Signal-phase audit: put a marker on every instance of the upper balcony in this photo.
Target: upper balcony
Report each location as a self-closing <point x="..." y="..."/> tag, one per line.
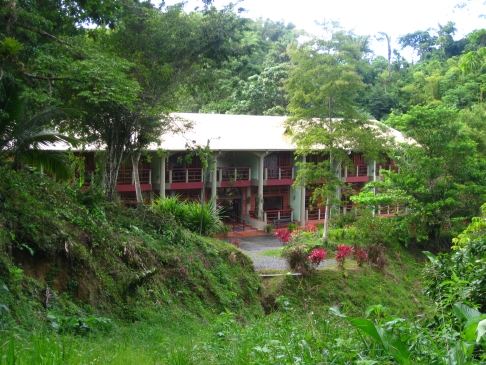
<point x="358" y="173"/>
<point x="279" y="175"/>
<point x="184" y="178"/>
<point x="126" y="179"/>
<point x="238" y="176"/>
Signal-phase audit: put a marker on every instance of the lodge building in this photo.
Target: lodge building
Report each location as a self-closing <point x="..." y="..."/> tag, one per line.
<point x="253" y="171"/>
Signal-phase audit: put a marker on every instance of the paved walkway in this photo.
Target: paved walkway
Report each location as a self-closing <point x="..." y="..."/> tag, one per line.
<point x="253" y="246"/>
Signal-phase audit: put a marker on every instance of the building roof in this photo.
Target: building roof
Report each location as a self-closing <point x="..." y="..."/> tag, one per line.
<point x="227" y="132"/>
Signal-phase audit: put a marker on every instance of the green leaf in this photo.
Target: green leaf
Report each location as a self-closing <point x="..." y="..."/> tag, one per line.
<point x="432" y="258"/>
<point x="367" y="327"/>
<point x="463" y="311"/>
<point x="395" y="346"/>
<point x="481" y="330"/>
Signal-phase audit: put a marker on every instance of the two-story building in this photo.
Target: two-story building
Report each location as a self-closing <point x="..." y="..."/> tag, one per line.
<point x="252" y="172"/>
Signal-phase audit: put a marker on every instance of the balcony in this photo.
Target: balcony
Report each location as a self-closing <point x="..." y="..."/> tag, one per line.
<point x="126" y="180"/>
<point x="126" y="177"/>
<point x="315" y="214"/>
<point x="184" y="178"/>
<point x="279" y="175"/>
<point x="358" y="173"/>
<point x="233" y="176"/>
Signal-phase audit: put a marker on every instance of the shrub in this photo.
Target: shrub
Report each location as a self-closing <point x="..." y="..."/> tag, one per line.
<point x="312" y="228"/>
<point x="297" y="257"/>
<point x="343" y="251"/>
<point x="344" y="220"/>
<point x="376" y="255"/>
<point x="291" y="227"/>
<point x="191" y="215"/>
<point x="361" y="256"/>
<point x="376" y="229"/>
<point x="317" y="256"/>
<point x="283" y="235"/>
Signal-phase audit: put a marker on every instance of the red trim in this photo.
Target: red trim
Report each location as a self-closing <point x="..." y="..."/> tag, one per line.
<point x="236" y="184"/>
<point x="278" y="182"/>
<point x="129" y="188"/>
<point x="357" y="179"/>
<point x="184" y="185"/>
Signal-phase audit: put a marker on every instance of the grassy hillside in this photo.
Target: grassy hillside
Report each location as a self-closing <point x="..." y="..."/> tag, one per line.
<point x="83" y="281"/>
<point x="67" y="253"/>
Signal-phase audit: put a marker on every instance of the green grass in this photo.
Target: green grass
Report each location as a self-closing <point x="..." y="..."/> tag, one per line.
<point x="298" y="327"/>
<point x="273" y="253"/>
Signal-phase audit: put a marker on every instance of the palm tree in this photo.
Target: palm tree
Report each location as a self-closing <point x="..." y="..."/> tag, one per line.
<point x="25" y="138"/>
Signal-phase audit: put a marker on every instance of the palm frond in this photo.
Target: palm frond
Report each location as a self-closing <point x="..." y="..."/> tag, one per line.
<point x="53" y="163"/>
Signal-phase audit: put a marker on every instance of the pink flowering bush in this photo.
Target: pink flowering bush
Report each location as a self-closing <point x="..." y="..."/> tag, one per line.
<point x="312" y="228"/>
<point x="343" y="251"/>
<point x="283" y="235"/>
<point x="317" y="256"/>
<point x="361" y="256"/>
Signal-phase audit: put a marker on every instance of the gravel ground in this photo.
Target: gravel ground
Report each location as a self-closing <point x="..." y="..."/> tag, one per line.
<point x="254" y="246"/>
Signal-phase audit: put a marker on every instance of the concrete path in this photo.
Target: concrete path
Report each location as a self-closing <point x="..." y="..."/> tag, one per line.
<point x="253" y="246"/>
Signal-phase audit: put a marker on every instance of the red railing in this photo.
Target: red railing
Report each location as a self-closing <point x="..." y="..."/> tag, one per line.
<point x="233" y="173"/>
<point x="180" y="175"/>
<point x="279" y="172"/>
<point x="315" y="214"/>
<point x="358" y="170"/>
<point x="278" y="214"/>
<point x="125" y="176"/>
<point x="361" y="170"/>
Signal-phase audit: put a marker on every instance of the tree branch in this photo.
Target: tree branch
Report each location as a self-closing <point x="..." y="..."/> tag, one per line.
<point x="41" y="32"/>
<point x="49" y="78"/>
<point x="48" y="35"/>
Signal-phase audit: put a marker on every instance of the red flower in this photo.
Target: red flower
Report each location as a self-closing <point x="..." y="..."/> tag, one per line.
<point x="283" y="235"/>
<point x="343" y="251"/>
<point x="317" y="256"/>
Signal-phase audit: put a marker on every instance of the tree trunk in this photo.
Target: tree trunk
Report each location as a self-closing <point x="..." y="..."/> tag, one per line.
<point x="114" y="158"/>
<point x="136" y="175"/>
<point x="327" y="214"/>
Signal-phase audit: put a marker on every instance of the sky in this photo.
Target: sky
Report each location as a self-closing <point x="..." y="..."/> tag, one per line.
<point x="366" y="17"/>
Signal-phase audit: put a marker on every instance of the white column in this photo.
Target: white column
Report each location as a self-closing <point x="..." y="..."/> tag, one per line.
<point x="248" y="200"/>
<point x="302" y="202"/>
<point x="214" y="178"/>
<point x="260" y="186"/>
<point x="162" y="176"/>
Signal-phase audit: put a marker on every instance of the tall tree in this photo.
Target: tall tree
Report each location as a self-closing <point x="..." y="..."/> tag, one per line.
<point x="441" y="178"/>
<point x="322" y="86"/>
